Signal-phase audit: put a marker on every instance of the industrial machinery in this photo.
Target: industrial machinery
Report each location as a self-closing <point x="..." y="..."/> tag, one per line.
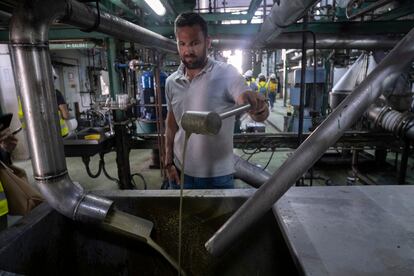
<point x="344" y="121"/>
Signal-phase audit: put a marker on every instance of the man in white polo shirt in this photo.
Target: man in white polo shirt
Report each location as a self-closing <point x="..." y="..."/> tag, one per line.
<point x="203" y="84"/>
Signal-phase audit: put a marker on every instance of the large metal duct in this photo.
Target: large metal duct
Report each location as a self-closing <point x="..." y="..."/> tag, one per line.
<point x="362" y="67"/>
<point x="356" y="104"/>
<point x="249" y="173"/>
<point x="29" y="29"/>
<point x="399" y="123"/>
<point x="282" y="14"/>
<point x="323" y="41"/>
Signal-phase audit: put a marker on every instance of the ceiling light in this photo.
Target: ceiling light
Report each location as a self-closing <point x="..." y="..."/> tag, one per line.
<point x="156" y="6"/>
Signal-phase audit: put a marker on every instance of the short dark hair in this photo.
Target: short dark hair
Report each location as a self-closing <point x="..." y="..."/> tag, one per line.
<point x="190" y="19"/>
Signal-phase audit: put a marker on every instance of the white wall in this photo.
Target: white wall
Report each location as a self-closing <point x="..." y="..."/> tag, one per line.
<point x="73" y="79"/>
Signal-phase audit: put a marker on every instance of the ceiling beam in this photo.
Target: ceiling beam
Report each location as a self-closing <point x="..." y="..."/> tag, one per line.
<point x="254" y="5"/>
<point x="223" y="16"/>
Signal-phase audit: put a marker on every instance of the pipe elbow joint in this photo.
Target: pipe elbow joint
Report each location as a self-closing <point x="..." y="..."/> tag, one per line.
<point x="70" y="199"/>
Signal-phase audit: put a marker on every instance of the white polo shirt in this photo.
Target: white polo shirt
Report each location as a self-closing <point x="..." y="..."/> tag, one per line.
<point x="215" y="88"/>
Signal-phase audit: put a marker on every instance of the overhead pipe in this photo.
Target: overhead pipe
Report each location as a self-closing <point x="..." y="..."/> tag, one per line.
<point x="323" y="41"/>
<point x="282" y="14"/>
<point x="84" y="17"/>
<point x="249" y="173"/>
<point x="331" y="129"/>
<point x="29" y="44"/>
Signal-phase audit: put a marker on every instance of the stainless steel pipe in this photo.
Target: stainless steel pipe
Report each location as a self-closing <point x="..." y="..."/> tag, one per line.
<point x="33" y="73"/>
<point x="83" y="16"/>
<point x="282" y="14"/>
<point x="356" y="104"/>
<point x="249" y="173"/>
<point x="29" y="28"/>
<point x="323" y="41"/>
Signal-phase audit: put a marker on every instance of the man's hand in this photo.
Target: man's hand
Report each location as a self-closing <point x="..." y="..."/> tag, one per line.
<point x="260" y="110"/>
<point x="8" y="141"/>
<point x="172" y="174"/>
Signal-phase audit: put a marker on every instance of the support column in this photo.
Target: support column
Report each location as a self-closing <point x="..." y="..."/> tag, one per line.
<point x="285" y="77"/>
<point x="114" y="87"/>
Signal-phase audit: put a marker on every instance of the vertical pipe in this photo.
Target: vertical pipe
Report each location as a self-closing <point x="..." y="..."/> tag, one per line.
<point x="158" y="109"/>
<point x="404" y="162"/>
<point x="122" y="154"/>
<point x="302" y="83"/>
<point x="29" y="28"/>
<point x="114" y="87"/>
<point x="285" y="78"/>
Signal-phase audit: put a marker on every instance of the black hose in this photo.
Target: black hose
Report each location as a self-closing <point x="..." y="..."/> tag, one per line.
<point x="142" y="178"/>
<point x="102" y="161"/>
<point x="86" y="160"/>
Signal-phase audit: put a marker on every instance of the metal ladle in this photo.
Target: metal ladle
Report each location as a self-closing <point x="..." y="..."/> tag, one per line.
<point x="208" y="122"/>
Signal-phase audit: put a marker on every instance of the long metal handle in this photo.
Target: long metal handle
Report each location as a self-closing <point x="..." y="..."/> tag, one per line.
<point x="235" y="111"/>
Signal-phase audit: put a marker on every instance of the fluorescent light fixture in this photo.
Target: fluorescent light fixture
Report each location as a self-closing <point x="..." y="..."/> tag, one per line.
<point x="156" y="6"/>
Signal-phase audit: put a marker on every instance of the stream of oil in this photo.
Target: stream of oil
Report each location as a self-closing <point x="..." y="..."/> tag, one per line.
<point x="180" y="211"/>
<point x="139" y="229"/>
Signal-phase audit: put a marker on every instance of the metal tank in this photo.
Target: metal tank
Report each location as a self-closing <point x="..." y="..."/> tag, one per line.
<point x="47" y="243"/>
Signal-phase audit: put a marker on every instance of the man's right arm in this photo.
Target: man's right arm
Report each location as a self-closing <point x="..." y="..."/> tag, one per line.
<point x="170" y="131"/>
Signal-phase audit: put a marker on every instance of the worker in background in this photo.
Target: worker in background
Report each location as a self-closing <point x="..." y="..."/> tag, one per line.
<point x="62" y="110"/>
<point x="262" y="85"/>
<point x="250" y="81"/>
<point x="62" y="106"/>
<point x="8" y="143"/>
<point x="203" y="84"/>
<point x="272" y="89"/>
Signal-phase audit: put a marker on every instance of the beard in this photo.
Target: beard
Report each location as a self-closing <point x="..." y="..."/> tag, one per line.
<point x="195" y="63"/>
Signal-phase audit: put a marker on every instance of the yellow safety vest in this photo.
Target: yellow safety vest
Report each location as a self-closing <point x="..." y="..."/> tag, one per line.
<point x="272" y="87"/>
<point x="64" y="130"/>
<point x="262" y="88"/>
<point x="4" y="207"/>
<point x="20" y="113"/>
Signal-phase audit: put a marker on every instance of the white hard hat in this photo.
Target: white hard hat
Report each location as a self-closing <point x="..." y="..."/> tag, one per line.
<point x="273" y="76"/>
<point x="261" y="75"/>
<point x="248" y="74"/>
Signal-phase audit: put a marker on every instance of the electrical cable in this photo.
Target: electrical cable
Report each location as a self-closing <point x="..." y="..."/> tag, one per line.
<point x="101" y="155"/>
<point x="142" y="178"/>
<point x="270" y="159"/>
<point x="86" y="160"/>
